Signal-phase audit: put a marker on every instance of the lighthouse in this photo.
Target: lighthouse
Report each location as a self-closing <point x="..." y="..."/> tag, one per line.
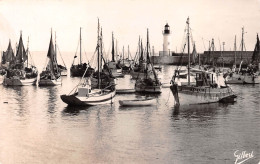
<point x="166" y="43"/>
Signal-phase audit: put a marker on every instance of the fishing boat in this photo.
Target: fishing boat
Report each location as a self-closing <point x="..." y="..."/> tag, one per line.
<point x="139" y="69"/>
<point x="209" y="87"/>
<point x="95" y="90"/>
<point x="138" y="102"/>
<point x="250" y="75"/>
<point x="6" y="60"/>
<point x="150" y="84"/>
<point x="77" y="70"/>
<point x="112" y="65"/>
<point x="51" y="75"/>
<point x="19" y="71"/>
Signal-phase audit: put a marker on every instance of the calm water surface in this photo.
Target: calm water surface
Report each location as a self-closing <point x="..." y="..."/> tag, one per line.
<point x="37" y="127"/>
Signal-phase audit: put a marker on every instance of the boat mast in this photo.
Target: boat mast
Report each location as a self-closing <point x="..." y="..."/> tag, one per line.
<point x="242" y="43"/>
<point x="98" y="56"/>
<point x="113" y="49"/>
<point x="235" y="49"/>
<point x="128" y="52"/>
<point x="188" y="37"/>
<point x="147" y="48"/>
<point x="80" y="45"/>
<point x="27" y="52"/>
<point x="123" y="55"/>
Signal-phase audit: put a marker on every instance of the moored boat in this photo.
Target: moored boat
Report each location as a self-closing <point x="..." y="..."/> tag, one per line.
<point x="250" y="75"/>
<point x="19" y="71"/>
<point x="51" y="75"/>
<point x="138" y="102"/>
<point x="209" y="87"/>
<point x="112" y="66"/>
<point x="149" y="84"/>
<point x="77" y="70"/>
<point x="96" y="90"/>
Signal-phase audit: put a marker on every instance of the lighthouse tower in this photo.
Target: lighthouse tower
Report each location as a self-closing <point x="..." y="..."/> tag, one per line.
<point x="166" y="43"/>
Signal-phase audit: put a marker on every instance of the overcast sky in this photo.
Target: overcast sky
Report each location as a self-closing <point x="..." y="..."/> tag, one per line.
<point x="218" y="19"/>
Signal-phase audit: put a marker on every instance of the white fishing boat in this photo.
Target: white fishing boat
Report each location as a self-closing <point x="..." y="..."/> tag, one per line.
<point x="19" y="71"/>
<point x="209" y="87"/>
<point x="149" y="84"/>
<point x="86" y="93"/>
<point x="51" y="75"/>
<point x="138" y="102"/>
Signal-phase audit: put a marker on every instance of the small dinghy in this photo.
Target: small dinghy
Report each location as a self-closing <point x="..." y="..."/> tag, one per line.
<point x="138" y="102"/>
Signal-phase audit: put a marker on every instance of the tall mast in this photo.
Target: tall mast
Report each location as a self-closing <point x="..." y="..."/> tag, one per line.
<point x="98" y="48"/>
<point x="123" y="55"/>
<point x="116" y="51"/>
<point x="242" y="43"/>
<point x="113" y="49"/>
<point x="128" y="52"/>
<point x="235" y="49"/>
<point x="101" y="48"/>
<point x="80" y="45"/>
<point x="188" y="37"/>
<point x="55" y="48"/>
<point x="28" y="52"/>
<point x="147" y="51"/>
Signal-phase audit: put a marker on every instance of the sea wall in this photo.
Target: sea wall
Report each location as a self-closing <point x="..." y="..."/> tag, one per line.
<point x="219" y="58"/>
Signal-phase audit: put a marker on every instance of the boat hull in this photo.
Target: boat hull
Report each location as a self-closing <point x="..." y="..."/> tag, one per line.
<point x="63" y="73"/>
<point x="188" y="95"/>
<point x="19" y="82"/>
<point x="78" y="71"/>
<point x="1" y="79"/>
<point x="147" y="102"/>
<point x="49" y="82"/>
<point x="139" y="75"/>
<point x="242" y="79"/>
<point x="148" y="89"/>
<point x="125" y="91"/>
<point x="74" y="100"/>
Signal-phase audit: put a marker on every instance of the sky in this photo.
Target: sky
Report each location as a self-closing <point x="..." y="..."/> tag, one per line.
<point x="128" y="19"/>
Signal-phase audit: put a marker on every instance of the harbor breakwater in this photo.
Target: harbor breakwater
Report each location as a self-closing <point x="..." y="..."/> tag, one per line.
<point x="226" y="58"/>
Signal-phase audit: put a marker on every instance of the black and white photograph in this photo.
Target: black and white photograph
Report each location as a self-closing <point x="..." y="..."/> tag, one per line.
<point x="130" y="81"/>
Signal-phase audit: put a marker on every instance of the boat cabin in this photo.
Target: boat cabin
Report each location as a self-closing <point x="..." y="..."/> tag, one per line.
<point x="204" y="79"/>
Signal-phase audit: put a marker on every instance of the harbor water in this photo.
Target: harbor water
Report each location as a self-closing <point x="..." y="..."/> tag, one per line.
<point x="37" y="127"/>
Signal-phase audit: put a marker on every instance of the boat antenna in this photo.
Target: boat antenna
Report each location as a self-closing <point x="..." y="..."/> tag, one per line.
<point x="188" y="38"/>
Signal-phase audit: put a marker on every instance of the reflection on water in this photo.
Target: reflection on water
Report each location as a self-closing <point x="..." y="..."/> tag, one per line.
<point x="37" y="126"/>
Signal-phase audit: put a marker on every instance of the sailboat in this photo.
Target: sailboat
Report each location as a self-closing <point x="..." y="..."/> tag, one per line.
<point x="249" y="76"/>
<point x="51" y="74"/>
<point x="150" y="84"/>
<point x="209" y="87"/>
<point x="139" y="69"/>
<point x="77" y="70"/>
<point x="95" y="90"/>
<point x="6" y="60"/>
<point x="19" y="72"/>
<point x="113" y="66"/>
